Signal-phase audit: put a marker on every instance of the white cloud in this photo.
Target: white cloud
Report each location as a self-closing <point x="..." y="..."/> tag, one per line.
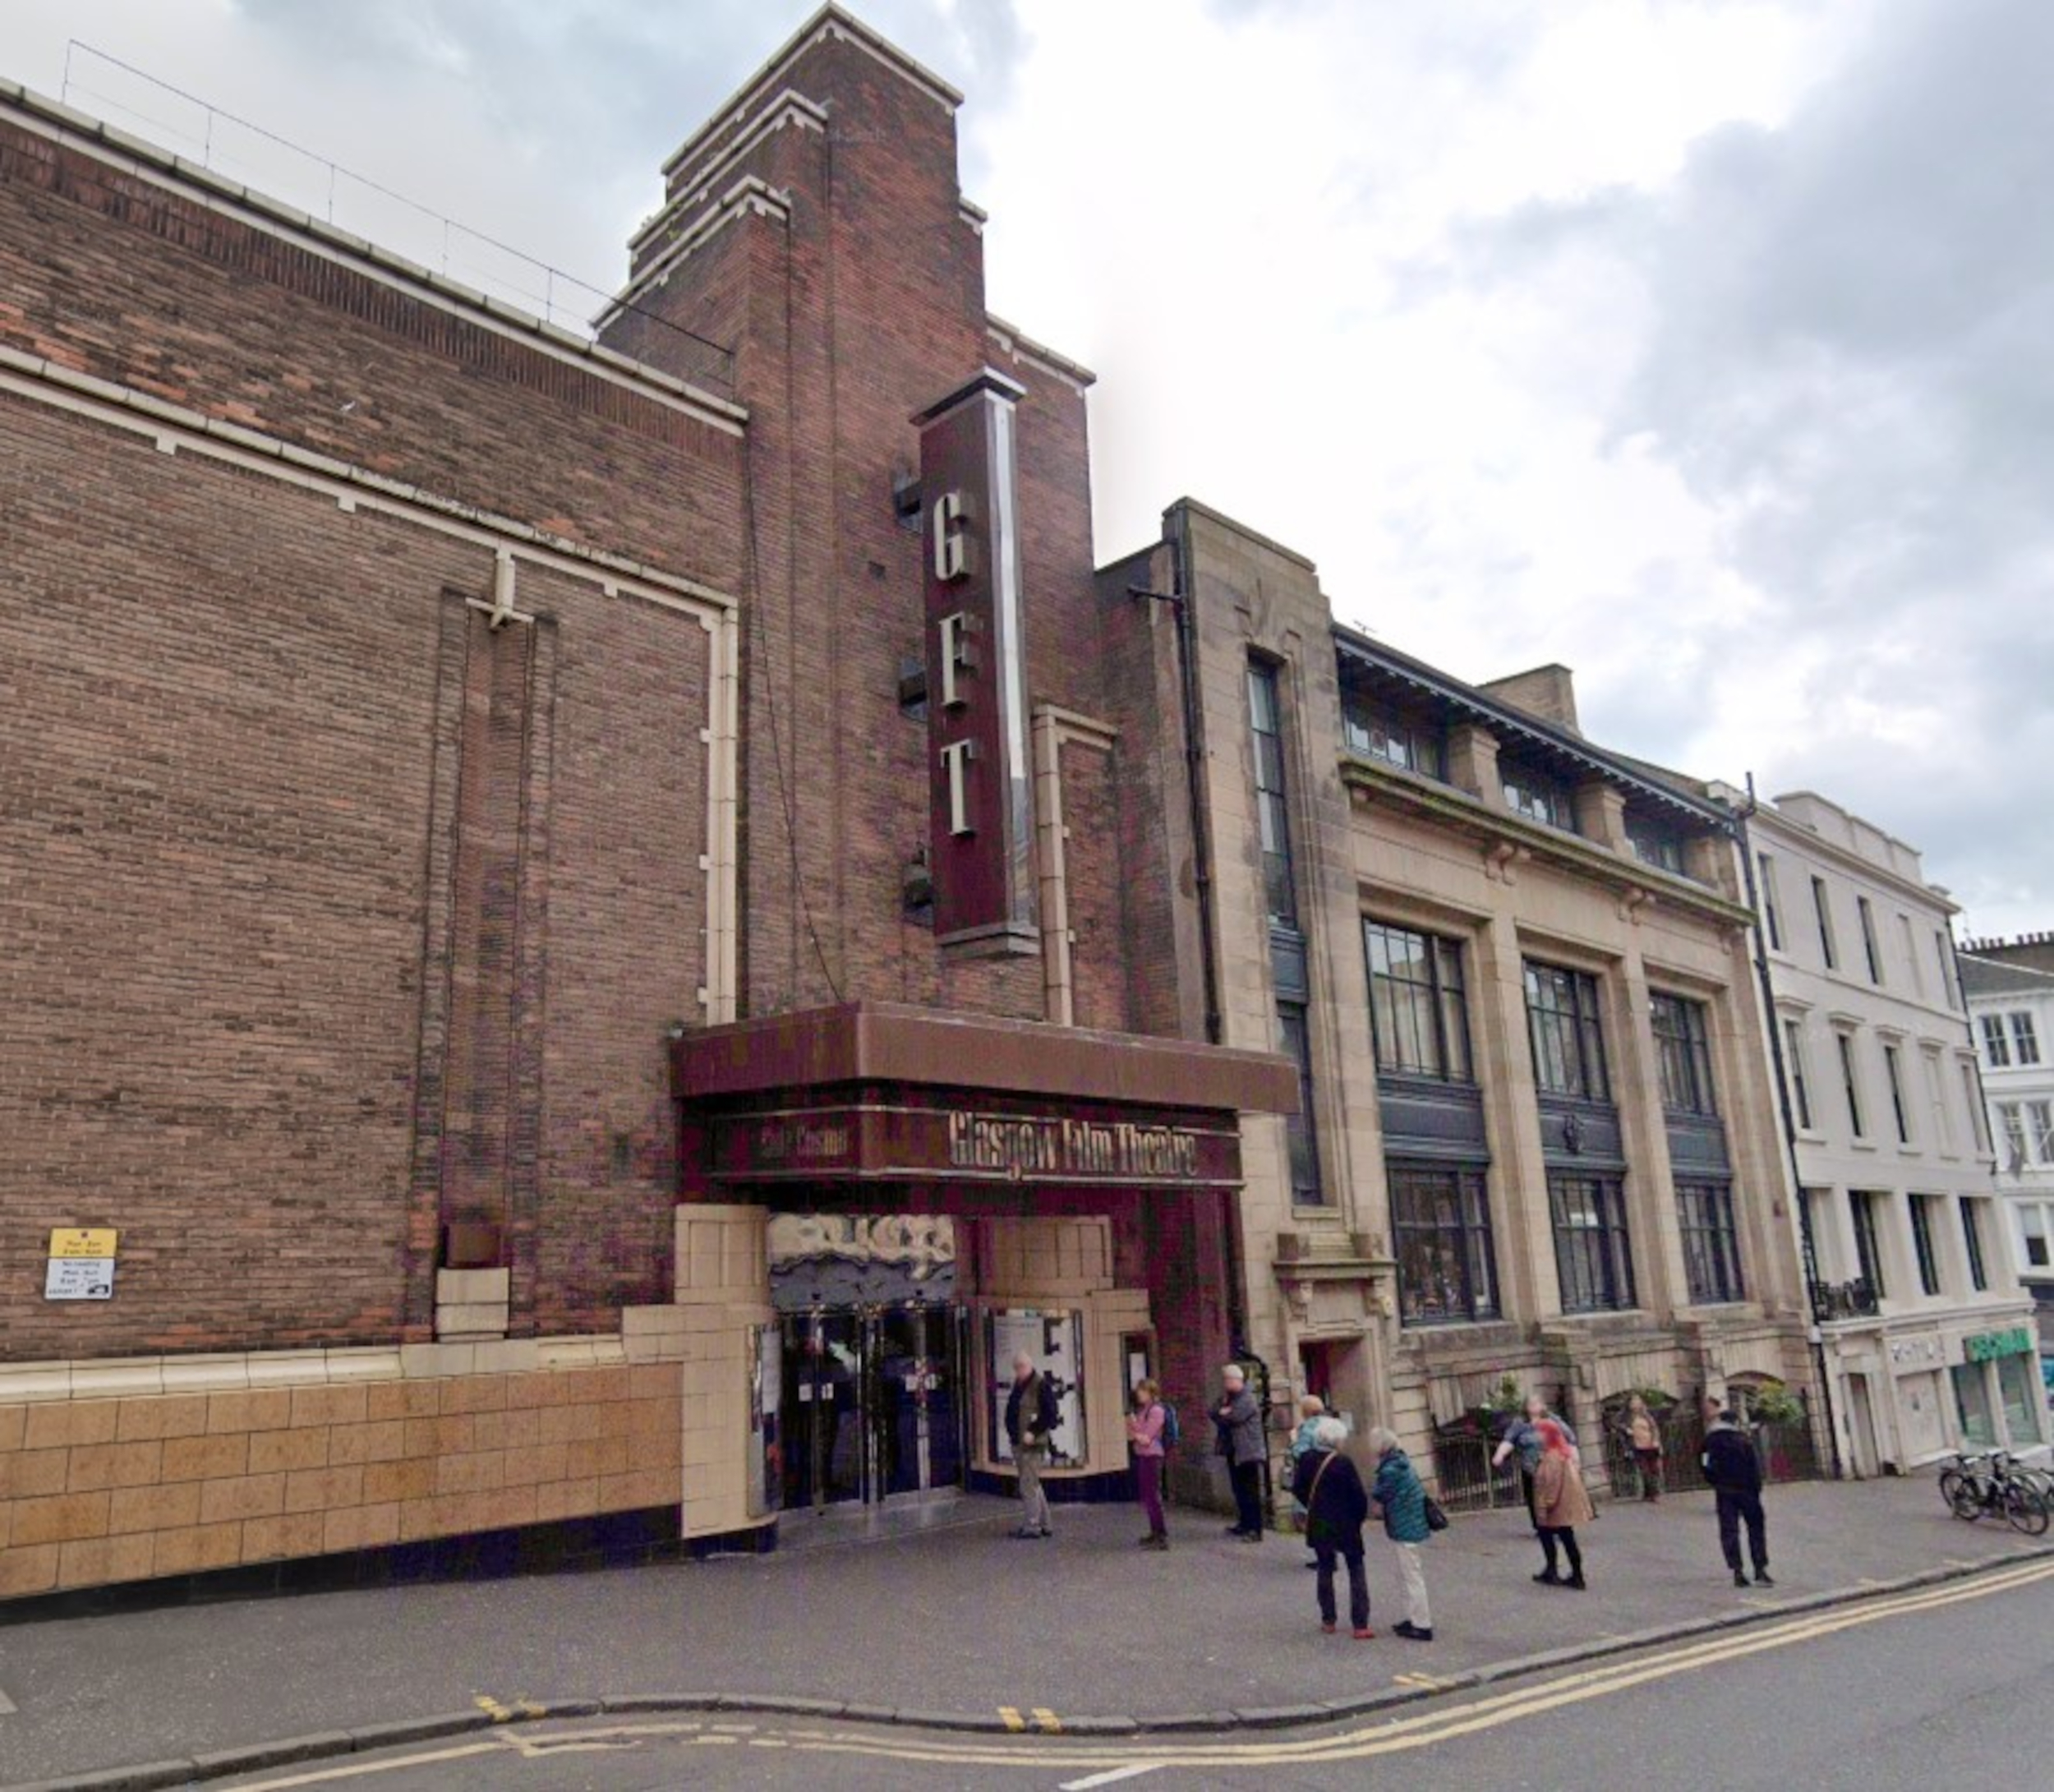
<point x="1698" y="344"/>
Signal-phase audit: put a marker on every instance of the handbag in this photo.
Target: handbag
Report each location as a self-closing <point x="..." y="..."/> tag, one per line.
<point x="1436" y="1519"/>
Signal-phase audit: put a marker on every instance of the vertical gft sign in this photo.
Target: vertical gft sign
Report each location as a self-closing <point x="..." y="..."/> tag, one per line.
<point x="982" y="824"/>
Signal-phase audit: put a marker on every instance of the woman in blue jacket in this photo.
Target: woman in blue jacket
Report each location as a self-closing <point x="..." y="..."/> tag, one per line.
<point x="1402" y="1499"/>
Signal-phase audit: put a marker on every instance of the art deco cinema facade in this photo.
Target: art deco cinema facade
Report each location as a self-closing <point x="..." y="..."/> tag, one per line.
<point x="611" y="929"/>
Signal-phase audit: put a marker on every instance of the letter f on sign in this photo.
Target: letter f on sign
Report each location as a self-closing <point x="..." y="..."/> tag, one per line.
<point x="956" y="758"/>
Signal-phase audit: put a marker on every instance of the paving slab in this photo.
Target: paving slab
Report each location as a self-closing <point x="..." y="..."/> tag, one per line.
<point x="956" y="1619"/>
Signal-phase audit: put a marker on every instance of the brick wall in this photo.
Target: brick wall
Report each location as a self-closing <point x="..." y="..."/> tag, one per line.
<point x="338" y="913"/>
<point x="857" y="303"/>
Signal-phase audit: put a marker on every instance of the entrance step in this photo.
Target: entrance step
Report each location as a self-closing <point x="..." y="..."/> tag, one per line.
<point x="889" y="1523"/>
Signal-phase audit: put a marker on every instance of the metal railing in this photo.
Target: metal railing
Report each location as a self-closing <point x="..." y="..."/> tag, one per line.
<point x="183" y="124"/>
<point x="1857" y="1299"/>
<point x="1788" y="1451"/>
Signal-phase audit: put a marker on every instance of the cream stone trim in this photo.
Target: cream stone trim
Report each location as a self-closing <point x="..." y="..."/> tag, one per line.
<point x="1507" y="841"/>
<point x="106" y="1378"/>
<point x="748" y="196"/>
<point x="145" y="161"/>
<point x="173" y="428"/>
<point x="1055" y="729"/>
<point x="1022" y="347"/>
<point x="723" y="817"/>
<point x="831" y="21"/>
<point x="790" y="107"/>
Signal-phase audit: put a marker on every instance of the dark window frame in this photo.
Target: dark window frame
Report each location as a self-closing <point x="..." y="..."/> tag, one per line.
<point x="1794" y="1063"/>
<point x="1894" y="1076"/>
<point x="1850" y="1085"/>
<point x="1924" y="1247"/>
<point x="1872" y="948"/>
<point x="1822" y="907"/>
<point x="1682" y="1053"/>
<point x="1301" y="1132"/>
<point x="1538" y="796"/>
<point x="1456" y="1231"/>
<point x="1971" y="1239"/>
<point x="1593" y="1242"/>
<point x="1868" y="1243"/>
<point x="1772" y="904"/>
<point x="1435" y="1012"/>
<point x="1712" y="1242"/>
<point x="1408" y="742"/>
<point x="1568" y="1034"/>
<point x="1273" y="792"/>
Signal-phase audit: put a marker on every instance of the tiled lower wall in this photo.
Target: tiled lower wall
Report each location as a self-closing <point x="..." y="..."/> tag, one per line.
<point x="98" y="1490"/>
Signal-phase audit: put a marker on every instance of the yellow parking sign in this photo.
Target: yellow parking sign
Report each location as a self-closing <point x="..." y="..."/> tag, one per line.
<point x="95" y="1242"/>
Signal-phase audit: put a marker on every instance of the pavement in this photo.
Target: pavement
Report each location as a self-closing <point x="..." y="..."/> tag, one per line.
<point x="949" y="1627"/>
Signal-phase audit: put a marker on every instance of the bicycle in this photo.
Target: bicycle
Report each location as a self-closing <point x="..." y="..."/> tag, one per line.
<point x="1991" y="1483"/>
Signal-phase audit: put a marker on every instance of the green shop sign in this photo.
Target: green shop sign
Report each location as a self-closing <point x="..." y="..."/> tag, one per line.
<point x="1986" y="1347"/>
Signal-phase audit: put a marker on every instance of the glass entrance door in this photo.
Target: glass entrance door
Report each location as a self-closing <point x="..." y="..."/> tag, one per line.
<point x="916" y="1400"/>
<point x="873" y="1404"/>
<point x="822" y="1418"/>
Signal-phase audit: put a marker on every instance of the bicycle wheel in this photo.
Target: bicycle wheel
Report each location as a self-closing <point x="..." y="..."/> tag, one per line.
<point x="2026" y="1510"/>
<point x="1959" y="1493"/>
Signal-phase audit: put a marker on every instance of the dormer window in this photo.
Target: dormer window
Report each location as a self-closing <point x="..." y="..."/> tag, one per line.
<point x="1655" y="846"/>
<point x="1377" y="731"/>
<point x="1539" y="798"/>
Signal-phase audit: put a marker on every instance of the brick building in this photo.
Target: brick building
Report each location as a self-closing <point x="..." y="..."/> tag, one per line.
<point x="597" y="921"/>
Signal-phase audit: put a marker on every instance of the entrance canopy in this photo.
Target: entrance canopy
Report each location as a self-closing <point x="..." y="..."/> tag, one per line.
<point x="886" y="1093"/>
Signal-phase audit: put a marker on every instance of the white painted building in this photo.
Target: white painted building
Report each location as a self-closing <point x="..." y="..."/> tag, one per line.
<point x="1923" y="1332"/>
<point x="2010" y="986"/>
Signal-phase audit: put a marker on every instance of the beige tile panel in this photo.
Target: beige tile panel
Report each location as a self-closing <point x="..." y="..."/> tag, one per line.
<point x="114" y="1465"/>
<point x="33" y="1474"/>
<point x="25" y="1570"/>
<point x="215" y="1474"/>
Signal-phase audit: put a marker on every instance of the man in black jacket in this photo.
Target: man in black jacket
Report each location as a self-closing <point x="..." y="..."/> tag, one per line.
<point x="1735" y="1472"/>
<point x="1030" y="1422"/>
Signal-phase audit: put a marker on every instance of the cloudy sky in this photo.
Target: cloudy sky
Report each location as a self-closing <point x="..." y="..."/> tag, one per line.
<point x="1706" y="346"/>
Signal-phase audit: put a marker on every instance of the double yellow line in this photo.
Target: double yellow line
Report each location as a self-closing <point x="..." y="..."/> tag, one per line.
<point x="1393" y="1737"/>
<point x="1423" y="1732"/>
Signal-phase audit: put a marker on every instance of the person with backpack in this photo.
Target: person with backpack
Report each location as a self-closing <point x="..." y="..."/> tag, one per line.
<point x="1031" y="1415"/>
<point x="1735" y="1470"/>
<point x="1397" y="1495"/>
<point x="1328" y="1485"/>
<point x="1151" y="1431"/>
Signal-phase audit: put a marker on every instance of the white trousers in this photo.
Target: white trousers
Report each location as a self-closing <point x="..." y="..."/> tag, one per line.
<point x="1411" y="1570"/>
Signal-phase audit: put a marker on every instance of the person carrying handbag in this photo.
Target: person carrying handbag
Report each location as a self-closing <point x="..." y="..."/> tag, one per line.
<point x="1398" y="1495"/>
<point x="1336" y="1503"/>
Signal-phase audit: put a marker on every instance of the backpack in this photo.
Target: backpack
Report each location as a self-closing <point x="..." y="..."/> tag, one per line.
<point x="1172" y="1432"/>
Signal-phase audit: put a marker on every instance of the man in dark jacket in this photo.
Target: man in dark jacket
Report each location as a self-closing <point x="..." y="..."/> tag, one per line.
<point x="1239" y="1418"/>
<point x="1030" y="1422"/>
<point x="1735" y="1472"/>
<point x="1327" y="1485"/>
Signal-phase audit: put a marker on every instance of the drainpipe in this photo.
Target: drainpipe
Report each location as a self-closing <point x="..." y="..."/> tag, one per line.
<point x="1809" y="1263"/>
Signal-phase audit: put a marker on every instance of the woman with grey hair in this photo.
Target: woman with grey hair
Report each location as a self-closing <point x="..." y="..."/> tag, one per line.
<point x="1327" y="1485"/>
<point x="1402" y="1499"/>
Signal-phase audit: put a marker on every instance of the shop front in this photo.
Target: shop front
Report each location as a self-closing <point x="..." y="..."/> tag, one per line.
<point x="882" y="1207"/>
